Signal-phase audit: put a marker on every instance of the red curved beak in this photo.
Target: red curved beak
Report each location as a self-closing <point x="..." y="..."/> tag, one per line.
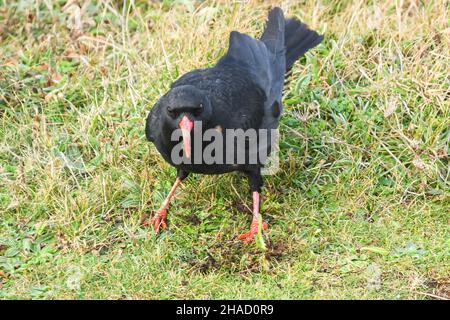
<point x="186" y="126"/>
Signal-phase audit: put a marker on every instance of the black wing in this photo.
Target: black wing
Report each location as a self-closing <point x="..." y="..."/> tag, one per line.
<point x="265" y="61"/>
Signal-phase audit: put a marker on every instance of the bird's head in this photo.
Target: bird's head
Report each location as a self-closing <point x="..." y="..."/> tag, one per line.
<point x="182" y="106"/>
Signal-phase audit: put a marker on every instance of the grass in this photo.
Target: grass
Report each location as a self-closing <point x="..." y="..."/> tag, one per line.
<point x="359" y="209"/>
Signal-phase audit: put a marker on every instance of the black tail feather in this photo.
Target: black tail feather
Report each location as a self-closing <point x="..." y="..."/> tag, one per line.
<point x="273" y="35"/>
<point x="298" y="39"/>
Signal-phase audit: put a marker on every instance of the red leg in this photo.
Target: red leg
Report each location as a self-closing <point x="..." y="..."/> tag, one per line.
<point x="250" y="235"/>
<point x="159" y="219"/>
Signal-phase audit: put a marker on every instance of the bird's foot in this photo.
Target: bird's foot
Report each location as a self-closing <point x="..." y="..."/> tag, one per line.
<point x="250" y="235"/>
<point x="158" y="221"/>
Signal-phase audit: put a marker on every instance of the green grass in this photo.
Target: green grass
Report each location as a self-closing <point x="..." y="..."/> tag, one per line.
<point x="359" y="209"/>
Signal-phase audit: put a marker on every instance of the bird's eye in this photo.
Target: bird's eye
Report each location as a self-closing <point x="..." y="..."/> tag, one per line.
<point x="198" y="110"/>
<point x="171" y="112"/>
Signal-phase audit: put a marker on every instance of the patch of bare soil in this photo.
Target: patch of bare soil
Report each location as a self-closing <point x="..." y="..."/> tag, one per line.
<point x="235" y="256"/>
<point x="440" y="289"/>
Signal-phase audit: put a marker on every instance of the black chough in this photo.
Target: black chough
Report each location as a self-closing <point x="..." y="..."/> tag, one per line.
<point x="242" y="91"/>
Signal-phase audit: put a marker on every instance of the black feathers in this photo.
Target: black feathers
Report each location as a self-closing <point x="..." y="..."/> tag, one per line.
<point x="273" y="35"/>
<point x="298" y="39"/>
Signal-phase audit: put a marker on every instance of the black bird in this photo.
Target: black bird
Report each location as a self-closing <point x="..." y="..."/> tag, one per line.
<point x="242" y="91"/>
